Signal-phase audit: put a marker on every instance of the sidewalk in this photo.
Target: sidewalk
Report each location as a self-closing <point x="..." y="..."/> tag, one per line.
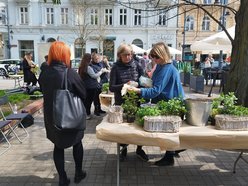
<point x="31" y="163"/>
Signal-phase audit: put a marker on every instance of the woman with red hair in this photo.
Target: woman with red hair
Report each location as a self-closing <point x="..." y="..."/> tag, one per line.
<point x="51" y="80"/>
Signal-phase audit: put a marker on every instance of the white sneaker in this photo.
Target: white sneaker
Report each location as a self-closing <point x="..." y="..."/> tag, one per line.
<point x="88" y="117"/>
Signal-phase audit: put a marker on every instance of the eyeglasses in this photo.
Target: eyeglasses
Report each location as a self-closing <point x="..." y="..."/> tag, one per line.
<point x="154" y="56"/>
<point x="126" y="54"/>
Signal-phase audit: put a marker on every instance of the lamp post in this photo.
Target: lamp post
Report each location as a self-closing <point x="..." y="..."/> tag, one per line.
<point x="184" y="35"/>
<point x="8" y="30"/>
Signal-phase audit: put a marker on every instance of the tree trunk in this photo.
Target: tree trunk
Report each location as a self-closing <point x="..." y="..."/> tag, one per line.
<point x="238" y="75"/>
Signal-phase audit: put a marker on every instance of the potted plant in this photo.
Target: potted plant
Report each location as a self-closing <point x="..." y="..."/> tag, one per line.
<point x="227" y="115"/>
<point x="146" y="111"/>
<point x="105" y="88"/>
<point x="185" y="74"/>
<point x="131" y="105"/>
<point x="175" y="107"/>
<point x="197" y="81"/>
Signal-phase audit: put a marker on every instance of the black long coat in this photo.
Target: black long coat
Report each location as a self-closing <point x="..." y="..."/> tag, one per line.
<point x="50" y="80"/>
<point x="29" y="76"/>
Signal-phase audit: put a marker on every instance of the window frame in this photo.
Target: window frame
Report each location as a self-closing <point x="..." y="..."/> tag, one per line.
<point x="49" y="16"/>
<point x="64" y="16"/>
<point x="94" y="16"/>
<point x="122" y="17"/>
<point x="108" y="16"/>
<point x="137" y="17"/>
<point x="206" y="23"/>
<point x="23" y="15"/>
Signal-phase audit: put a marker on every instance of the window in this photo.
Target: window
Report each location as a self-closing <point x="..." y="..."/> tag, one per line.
<point x="189" y="23"/>
<point x="224" y="2"/>
<point x="26" y="46"/>
<point x="138" y="43"/>
<point x="137" y="17"/>
<point x="2" y="16"/>
<point x="206" y="24"/>
<point x="162" y="18"/>
<point x="49" y="16"/>
<point x="64" y="16"/>
<point x="108" y="16"/>
<point x="207" y="1"/>
<point x="223" y="22"/>
<point x="123" y="17"/>
<point x="23" y="12"/>
<point x="94" y="16"/>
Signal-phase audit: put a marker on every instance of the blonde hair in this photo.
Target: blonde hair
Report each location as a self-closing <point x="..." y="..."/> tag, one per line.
<point x="162" y="51"/>
<point x="123" y="48"/>
<point x="59" y="51"/>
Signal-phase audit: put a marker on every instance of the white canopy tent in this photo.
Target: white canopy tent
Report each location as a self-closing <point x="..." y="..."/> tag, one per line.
<point x="172" y="51"/>
<point x="137" y="49"/>
<point x="215" y="43"/>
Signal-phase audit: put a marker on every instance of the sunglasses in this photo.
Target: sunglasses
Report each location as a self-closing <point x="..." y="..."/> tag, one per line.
<point x="154" y="56"/>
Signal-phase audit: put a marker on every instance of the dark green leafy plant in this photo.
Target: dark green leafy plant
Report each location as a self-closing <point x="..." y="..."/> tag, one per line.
<point x="105" y="87"/>
<point x="131" y="103"/>
<point x="146" y="111"/>
<point x="226" y="104"/>
<point x="172" y="107"/>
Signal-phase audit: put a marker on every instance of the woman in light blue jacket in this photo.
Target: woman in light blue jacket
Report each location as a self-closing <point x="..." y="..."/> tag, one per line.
<point x="166" y="85"/>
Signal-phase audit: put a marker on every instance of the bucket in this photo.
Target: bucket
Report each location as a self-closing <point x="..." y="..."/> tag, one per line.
<point x="198" y="111"/>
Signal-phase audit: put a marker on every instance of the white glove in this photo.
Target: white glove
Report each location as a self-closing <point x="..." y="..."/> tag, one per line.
<point x="104" y="70"/>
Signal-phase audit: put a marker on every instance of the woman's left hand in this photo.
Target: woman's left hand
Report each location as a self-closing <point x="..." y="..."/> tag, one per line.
<point x="137" y="90"/>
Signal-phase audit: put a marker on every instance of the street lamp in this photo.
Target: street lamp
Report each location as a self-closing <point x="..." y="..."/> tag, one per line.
<point x="185" y="28"/>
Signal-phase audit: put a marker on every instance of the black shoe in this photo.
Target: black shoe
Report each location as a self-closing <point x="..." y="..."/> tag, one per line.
<point x="65" y="182"/>
<point x="97" y="113"/>
<point x="177" y="153"/>
<point x="142" y="155"/>
<point x="79" y="176"/>
<point x="165" y="161"/>
<point x="123" y="154"/>
<point x="102" y="112"/>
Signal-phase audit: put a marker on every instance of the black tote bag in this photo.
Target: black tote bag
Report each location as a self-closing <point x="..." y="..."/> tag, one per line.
<point x="68" y="109"/>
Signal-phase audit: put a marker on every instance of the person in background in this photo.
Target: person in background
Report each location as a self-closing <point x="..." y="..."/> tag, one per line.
<point x="97" y="67"/>
<point x="91" y="80"/>
<point x="44" y="65"/>
<point x="197" y="63"/>
<point x="144" y="61"/>
<point x="51" y="80"/>
<point x="105" y="75"/>
<point x="28" y="65"/>
<point x="126" y="69"/>
<point x="151" y="66"/>
<point x="207" y="67"/>
<point x="166" y="86"/>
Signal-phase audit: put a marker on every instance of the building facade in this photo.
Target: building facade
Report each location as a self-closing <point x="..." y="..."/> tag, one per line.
<point x="197" y="25"/>
<point x="86" y="26"/>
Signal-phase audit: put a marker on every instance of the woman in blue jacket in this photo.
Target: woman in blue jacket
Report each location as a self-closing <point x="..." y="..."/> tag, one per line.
<point x="166" y="86"/>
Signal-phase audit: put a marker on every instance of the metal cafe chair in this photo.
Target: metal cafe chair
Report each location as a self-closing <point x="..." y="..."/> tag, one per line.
<point x="18" y="117"/>
<point x="4" y="131"/>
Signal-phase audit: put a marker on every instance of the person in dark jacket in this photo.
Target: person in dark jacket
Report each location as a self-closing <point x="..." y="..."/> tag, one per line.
<point x="50" y="80"/>
<point x="28" y="65"/>
<point x="91" y="80"/>
<point x="123" y="71"/>
<point x="98" y="66"/>
<point x="166" y="86"/>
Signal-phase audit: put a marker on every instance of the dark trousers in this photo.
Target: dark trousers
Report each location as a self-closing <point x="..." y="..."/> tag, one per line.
<point x="89" y="99"/>
<point x="97" y="100"/>
<point x="59" y="159"/>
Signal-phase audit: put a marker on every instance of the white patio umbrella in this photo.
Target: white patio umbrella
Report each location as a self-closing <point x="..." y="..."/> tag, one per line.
<point x="137" y="49"/>
<point x="172" y="51"/>
<point x="215" y="43"/>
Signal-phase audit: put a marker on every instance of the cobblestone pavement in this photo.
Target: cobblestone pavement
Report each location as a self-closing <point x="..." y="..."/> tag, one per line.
<point x="31" y="163"/>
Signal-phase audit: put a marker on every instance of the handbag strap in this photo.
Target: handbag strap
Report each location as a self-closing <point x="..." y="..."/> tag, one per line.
<point x="65" y="79"/>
